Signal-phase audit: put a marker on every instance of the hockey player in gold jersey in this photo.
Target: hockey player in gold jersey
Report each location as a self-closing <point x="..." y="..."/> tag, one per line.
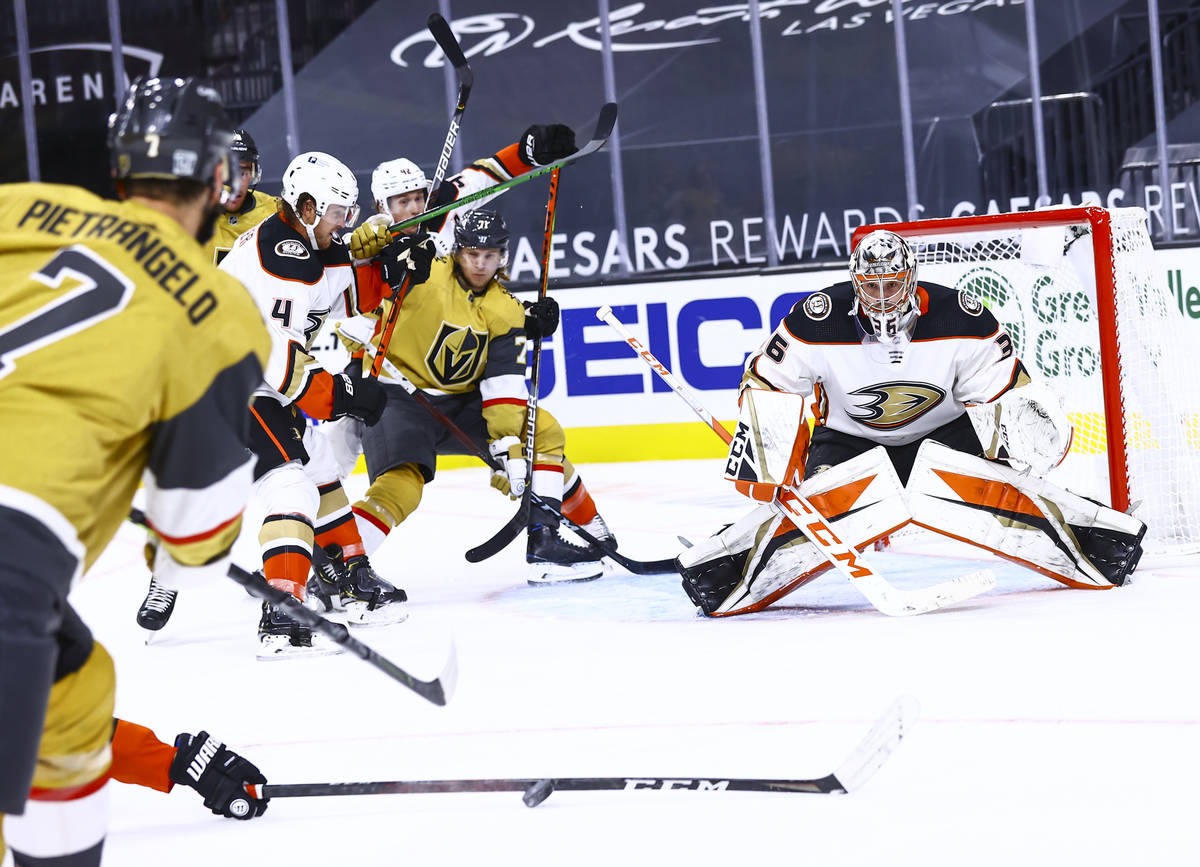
<point x="460" y="337"/>
<point x="246" y="208"/>
<point x="125" y="358"/>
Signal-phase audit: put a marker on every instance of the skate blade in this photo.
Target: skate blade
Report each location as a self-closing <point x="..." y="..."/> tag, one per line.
<point x="541" y="578"/>
<point x="358" y="616"/>
<point x="273" y="651"/>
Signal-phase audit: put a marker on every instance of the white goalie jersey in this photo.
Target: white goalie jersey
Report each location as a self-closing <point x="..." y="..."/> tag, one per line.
<point x="958" y="355"/>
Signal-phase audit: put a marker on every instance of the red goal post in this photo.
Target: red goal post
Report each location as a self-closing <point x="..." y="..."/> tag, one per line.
<point x="1091" y="315"/>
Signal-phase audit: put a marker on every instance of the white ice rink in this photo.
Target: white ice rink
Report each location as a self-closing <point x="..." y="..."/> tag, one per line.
<point x="1058" y="727"/>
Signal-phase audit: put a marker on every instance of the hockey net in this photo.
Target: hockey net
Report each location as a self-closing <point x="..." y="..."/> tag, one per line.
<point x="1091" y="316"/>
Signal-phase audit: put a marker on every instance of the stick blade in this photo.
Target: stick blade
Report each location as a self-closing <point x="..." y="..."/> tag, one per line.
<point x="444" y="35"/>
<point x="880" y="742"/>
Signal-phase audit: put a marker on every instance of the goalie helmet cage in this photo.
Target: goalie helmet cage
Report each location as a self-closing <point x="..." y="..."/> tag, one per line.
<point x="1091" y="316"/>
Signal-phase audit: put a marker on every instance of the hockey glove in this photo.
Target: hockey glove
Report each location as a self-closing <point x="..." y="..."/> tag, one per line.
<point x="510" y="477"/>
<point x="540" y="145"/>
<point x="369" y="239"/>
<point x="407" y="256"/>
<point x="219" y="774"/>
<point x="362" y="398"/>
<point x="541" y="318"/>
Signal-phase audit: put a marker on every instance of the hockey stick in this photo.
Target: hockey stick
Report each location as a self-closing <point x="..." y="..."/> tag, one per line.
<point x="604" y="127"/>
<point x="862" y="763"/>
<point x="462" y="70"/>
<point x="438" y="691"/>
<point x="520" y="521"/>
<point x="482" y="552"/>
<point x="865" y="578"/>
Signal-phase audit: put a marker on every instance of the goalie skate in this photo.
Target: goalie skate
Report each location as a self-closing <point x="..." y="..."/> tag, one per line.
<point x="554" y="560"/>
<point x="282" y="637"/>
<point x="354" y="591"/>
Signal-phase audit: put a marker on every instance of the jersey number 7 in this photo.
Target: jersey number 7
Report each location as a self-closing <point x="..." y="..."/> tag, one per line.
<point x="101" y="291"/>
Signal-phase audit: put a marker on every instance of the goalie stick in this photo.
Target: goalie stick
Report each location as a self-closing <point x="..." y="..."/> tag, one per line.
<point x="438" y="691"/>
<point x="862" y="763"/>
<point x="462" y="70"/>
<point x="637" y="567"/>
<point x="885" y="597"/>
<point x="604" y="128"/>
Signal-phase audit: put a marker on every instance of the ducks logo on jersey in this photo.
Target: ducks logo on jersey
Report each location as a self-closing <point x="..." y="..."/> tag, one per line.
<point x="894" y="404"/>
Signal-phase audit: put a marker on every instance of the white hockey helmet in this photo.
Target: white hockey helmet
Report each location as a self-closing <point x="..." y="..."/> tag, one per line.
<point x="883" y="269"/>
<point x="394" y="178"/>
<point x="333" y="187"/>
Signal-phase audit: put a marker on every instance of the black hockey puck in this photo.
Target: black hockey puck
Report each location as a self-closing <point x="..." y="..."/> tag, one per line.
<point x="538" y="792"/>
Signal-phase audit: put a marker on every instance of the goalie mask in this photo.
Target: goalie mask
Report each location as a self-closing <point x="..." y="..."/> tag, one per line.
<point x="395" y="178"/>
<point x="883" y="269"/>
<point x="332" y="186"/>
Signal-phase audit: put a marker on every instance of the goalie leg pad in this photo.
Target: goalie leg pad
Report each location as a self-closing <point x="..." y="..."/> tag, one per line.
<point x="749" y="564"/>
<point x="763" y="557"/>
<point x="1076" y="541"/>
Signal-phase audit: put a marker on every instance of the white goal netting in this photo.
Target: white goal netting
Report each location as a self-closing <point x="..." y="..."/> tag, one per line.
<point x="1041" y="282"/>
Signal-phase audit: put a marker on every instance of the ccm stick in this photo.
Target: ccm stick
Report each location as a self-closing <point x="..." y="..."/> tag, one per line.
<point x="886" y="598"/>
<point x="880" y="742"/>
<point x="437" y="691"/>
<point x="637" y="567"/>
<point x="462" y="70"/>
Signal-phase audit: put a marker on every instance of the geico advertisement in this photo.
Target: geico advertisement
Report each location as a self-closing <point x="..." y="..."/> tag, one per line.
<point x="703" y="330"/>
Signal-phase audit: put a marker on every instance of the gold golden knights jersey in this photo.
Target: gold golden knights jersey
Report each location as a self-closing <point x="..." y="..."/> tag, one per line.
<point x="296" y="288"/>
<point x="959" y="355"/>
<point x="255" y="208"/>
<point x="451" y="340"/>
<point x="123" y="351"/>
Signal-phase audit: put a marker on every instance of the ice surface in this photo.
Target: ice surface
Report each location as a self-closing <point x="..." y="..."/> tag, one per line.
<point x="1057" y="727"/>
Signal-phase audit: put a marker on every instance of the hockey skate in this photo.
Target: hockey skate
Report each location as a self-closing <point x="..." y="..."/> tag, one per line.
<point x="156" y="607"/>
<point x="554" y="560"/>
<point x="599" y="530"/>
<point x="282" y="637"/>
<point x="353" y="589"/>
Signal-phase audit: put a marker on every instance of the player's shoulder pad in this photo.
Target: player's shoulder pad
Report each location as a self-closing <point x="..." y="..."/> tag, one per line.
<point x="285" y="254"/>
<point x="824" y="317"/>
<point x="952" y="313"/>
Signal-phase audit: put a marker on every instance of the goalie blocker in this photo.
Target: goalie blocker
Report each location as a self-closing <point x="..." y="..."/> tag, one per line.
<point x="1018" y="516"/>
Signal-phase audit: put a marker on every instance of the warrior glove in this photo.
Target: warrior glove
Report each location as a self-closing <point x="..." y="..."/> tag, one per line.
<point x="225" y="779"/>
<point x="541" y="318"/>
<point x="369" y="239"/>
<point x="409" y="256"/>
<point x="541" y="145"/>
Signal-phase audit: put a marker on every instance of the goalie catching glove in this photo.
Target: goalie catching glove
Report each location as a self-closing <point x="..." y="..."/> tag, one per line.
<point x="221" y="776"/>
<point x="541" y="145"/>
<point x="510" y="477"/>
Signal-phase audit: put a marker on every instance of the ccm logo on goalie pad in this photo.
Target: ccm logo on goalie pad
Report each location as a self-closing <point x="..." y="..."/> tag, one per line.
<point x="742" y="464"/>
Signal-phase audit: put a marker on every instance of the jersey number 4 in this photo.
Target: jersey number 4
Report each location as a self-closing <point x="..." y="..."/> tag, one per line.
<point x="99" y="291"/>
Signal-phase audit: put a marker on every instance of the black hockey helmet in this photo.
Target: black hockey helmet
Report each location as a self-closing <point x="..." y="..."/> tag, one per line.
<point x="170" y="129"/>
<point x="481" y="228"/>
<point x="246" y="151"/>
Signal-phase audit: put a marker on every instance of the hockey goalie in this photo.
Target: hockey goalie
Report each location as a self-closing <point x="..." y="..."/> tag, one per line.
<point x="891" y="366"/>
